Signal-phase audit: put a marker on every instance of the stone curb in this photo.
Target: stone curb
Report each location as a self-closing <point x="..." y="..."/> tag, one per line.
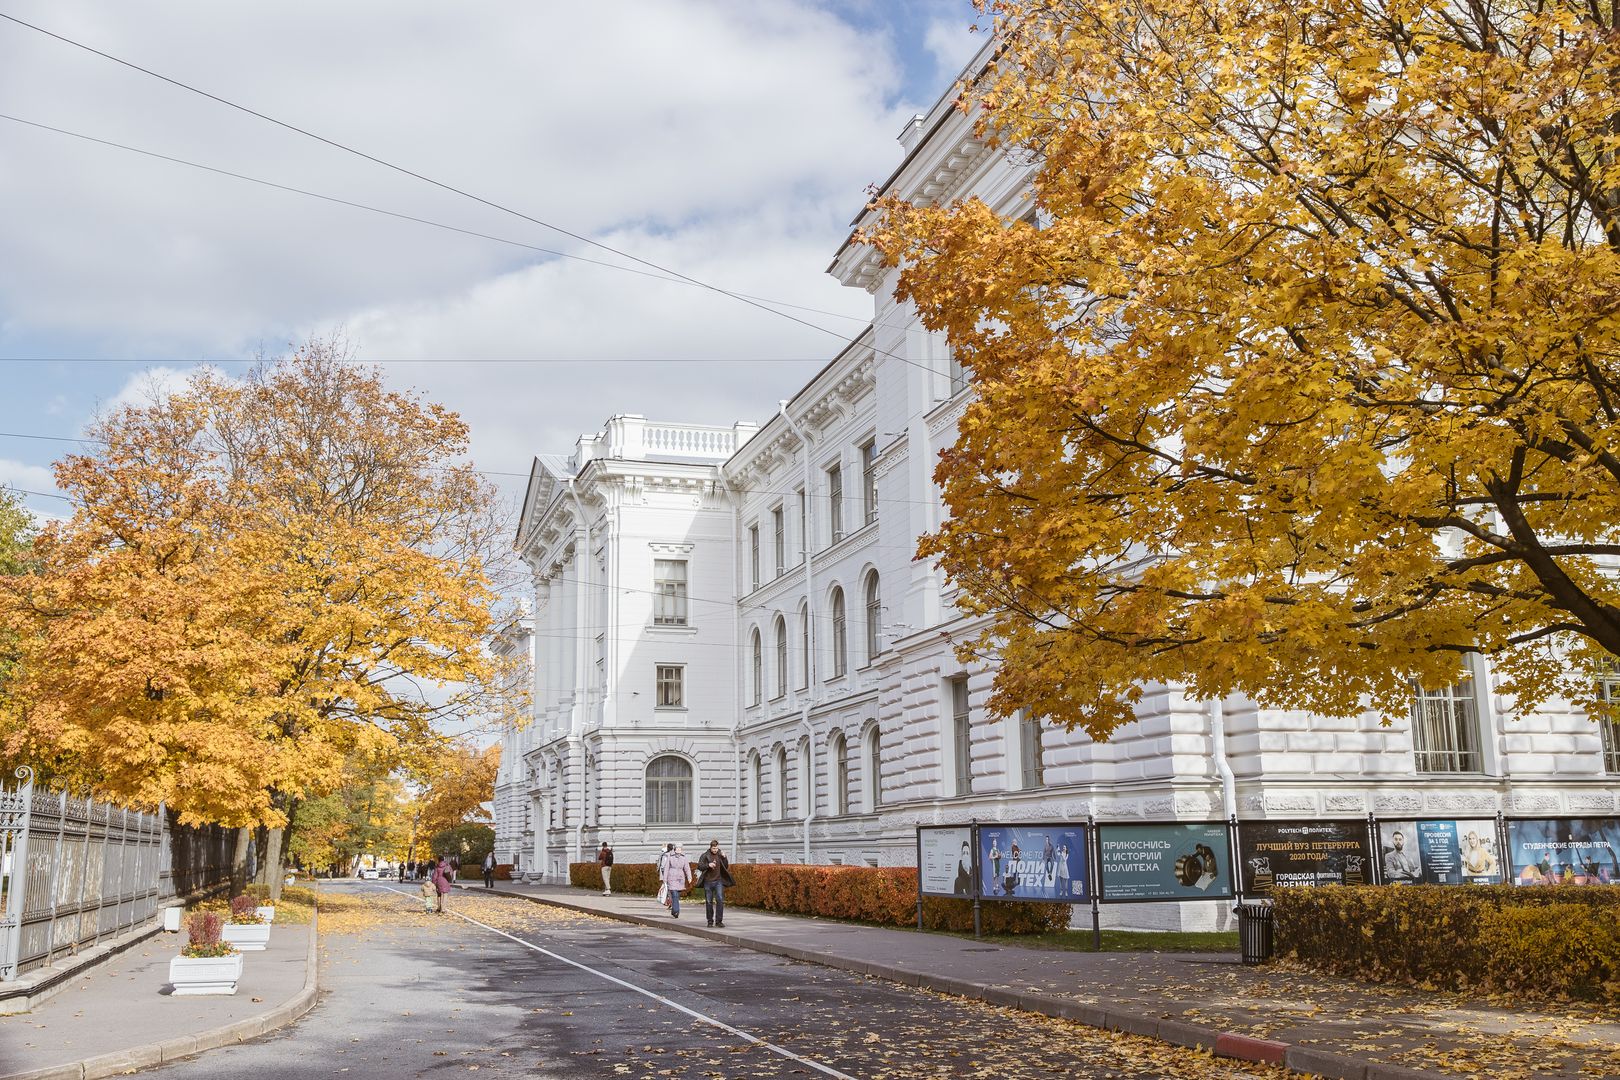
<point x="1230" y="1044"/>
<point x="157" y="1053"/>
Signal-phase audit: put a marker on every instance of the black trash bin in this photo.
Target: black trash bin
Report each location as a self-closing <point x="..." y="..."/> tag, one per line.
<point x="1254" y="932"/>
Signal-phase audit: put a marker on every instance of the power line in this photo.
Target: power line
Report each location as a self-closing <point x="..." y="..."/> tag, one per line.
<point x="150" y="361"/>
<point x="397" y="214"/>
<point x="442" y="185"/>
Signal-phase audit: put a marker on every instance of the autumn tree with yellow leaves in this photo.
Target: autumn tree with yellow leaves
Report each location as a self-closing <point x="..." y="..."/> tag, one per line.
<point x="1304" y="380"/>
<point x="262" y="579"/>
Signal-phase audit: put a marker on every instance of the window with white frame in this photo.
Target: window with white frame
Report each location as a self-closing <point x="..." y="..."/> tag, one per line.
<point x="840" y="634"/>
<point x="807" y="779"/>
<point x="804" y="526"/>
<point x="671" y="679"/>
<point x="874" y="770"/>
<point x="757" y="770"/>
<point x="1445" y="728"/>
<point x="958" y="374"/>
<point x="840" y="756"/>
<point x="669" y="791"/>
<point x="669" y="592"/>
<point x="780" y="629"/>
<point x="758" y="668"/>
<point x="1031" y="750"/>
<point x="779" y="540"/>
<point x="961" y="735"/>
<point x="869" y="502"/>
<point x="874" y="617"/>
<point x="1608" y="686"/>
<point x="835" y="502"/>
<point x="804" y="646"/>
<point x="781" y="783"/>
<point x="753" y="555"/>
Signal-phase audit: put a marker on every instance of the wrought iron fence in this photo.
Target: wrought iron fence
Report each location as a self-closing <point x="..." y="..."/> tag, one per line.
<point x="74" y="872"/>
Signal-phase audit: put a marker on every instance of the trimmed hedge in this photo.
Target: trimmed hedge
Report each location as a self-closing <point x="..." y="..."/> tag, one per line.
<point x="886" y="895"/>
<point x="1532" y="942"/>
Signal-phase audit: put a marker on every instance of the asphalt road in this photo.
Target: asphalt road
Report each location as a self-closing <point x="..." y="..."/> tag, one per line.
<point x="532" y="991"/>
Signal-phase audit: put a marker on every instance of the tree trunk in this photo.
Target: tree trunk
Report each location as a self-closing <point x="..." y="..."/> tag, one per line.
<point x="240" y="871"/>
<point x="272" y="862"/>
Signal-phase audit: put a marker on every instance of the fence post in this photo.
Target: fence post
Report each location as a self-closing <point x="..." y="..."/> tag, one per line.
<point x="16" y="807"/>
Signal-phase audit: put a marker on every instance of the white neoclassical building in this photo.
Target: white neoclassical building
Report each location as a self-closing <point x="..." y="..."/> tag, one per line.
<point x="732" y="638"/>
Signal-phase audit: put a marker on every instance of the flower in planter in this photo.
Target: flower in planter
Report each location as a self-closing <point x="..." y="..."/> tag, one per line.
<point x="203" y="931"/>
<point x="245" y="910"/>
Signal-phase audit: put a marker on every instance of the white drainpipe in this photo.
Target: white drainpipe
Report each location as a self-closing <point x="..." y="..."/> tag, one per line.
<point x="582" y="668"/>
<point x="811" y="689"/>
<point x="1217" y="735"/>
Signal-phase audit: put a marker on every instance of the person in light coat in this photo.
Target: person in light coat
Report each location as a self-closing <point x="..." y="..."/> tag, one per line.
<point x="676" y="874"/>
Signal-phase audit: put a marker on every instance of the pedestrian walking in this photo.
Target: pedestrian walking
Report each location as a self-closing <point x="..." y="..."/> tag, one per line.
<point x="428" y="892"/>
<point x="714" y="874"/>
<point x="402" y="873"/>
<point x="676" y="874"/>
<point x="604" y="861"/>
<point x="489" y="870"/>
<point x="442" y="879"/>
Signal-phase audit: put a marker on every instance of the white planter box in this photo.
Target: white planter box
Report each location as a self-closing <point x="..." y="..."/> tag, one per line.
<point x="247" y="937"/>
<point x="205" y="974"/>
<point x="268" y="913"/>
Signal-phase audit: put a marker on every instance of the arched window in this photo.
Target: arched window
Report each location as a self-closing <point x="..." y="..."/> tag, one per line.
<point x="669" y="791"/>
<point x="781" y="784"/>
<point x="804" y="646"/>
<point x="757" y="768"/>
<point x="807" y="779"/>
<point x="874" y="618"/>
<point x="840" y="777"/>
<point x="840" y="641"/>
<point x="874" y="770"/>
<point x="780" y="629"/>
<point x="759" y="667"/>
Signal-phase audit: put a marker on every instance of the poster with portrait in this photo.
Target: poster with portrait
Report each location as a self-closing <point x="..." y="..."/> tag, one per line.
<point x="945" y="860"/>
<point x="1565" y="851"/>
<point x="1033" y="862"/>
<point x="1439" y="851"/>
<point x="1303" y="853"/>
<point x="1167" y="861"/>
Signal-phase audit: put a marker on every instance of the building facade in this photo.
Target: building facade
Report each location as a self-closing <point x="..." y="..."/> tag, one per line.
<point x="733" y="638"/>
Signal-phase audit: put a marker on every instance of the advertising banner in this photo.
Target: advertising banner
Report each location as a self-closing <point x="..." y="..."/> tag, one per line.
<point x="945" y="860"/>
<point x="1303" y="853"/>
<point x="1439" y="852"/>
<point x="1033" y="862"/>
<point x="1565" y="851"/>
<point x="1168" y="861"/>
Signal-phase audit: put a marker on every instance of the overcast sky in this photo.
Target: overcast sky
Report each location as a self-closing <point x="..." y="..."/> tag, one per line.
<point x="729" y="141"/>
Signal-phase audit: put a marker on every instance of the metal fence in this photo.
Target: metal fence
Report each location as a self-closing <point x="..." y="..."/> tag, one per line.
<point x="74" y="872"/>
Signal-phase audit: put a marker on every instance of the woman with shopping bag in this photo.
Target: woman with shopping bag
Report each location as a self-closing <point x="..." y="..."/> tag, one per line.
<point x="674" y="875"/>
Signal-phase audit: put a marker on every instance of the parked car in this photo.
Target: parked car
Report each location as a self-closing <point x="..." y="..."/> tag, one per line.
<point x="369" y="873"/>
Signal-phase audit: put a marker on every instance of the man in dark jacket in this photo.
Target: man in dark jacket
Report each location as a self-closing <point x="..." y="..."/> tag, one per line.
<point x="714" y="874"/>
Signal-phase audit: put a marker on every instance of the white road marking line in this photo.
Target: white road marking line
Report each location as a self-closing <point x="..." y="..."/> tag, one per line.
<point x="677" y="1006"/>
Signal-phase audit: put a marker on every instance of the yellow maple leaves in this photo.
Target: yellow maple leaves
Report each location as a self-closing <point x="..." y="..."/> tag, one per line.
<point x="260" y="579"/>
<point x="1309" y="383"/>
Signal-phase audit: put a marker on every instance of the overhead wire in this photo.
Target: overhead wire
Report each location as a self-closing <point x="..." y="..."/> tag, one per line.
<point x="442" y="185"/>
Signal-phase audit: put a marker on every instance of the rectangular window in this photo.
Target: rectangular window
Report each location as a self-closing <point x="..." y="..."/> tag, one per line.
<point x="753" y="555"/>
<point x="1034" y="768"/>
<point x="1609" y="728"/>
<point x="869" y="482"/>
<point x="804" y="527"/>
<point x="669" y="592"/>
<point x="959" y="375"/>
<point x="1445" y="729"/>
<point x="671" y="686"/>
<point x="962" y="735"/>
<point x="779" y="538"/>
<point x="835" y="502"/>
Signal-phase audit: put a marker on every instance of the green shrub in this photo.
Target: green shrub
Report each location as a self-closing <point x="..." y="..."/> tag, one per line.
<point x="1552" y="942"/>
<point x="885" y="895"/>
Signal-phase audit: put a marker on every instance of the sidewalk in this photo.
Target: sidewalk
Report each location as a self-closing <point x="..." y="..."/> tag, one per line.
<point x="121" y="1017"/>
<point x="1319" y="1025"/>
